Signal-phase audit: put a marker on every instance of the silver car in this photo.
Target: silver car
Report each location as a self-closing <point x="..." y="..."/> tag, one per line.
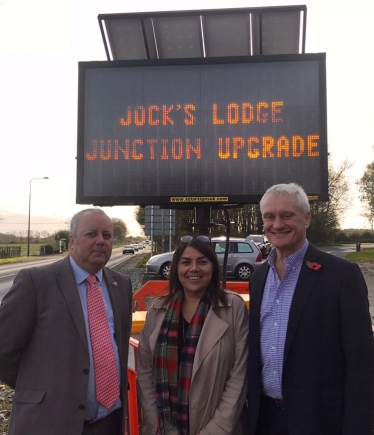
<point x="262" y="242"/>
<point x="243" y="257"/>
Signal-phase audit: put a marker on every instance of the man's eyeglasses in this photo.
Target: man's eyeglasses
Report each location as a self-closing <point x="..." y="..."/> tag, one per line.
<point x="187" y="239"/>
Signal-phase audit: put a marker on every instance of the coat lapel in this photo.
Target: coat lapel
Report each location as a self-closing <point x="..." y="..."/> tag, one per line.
<point x="256" y="296"/>
<point x="212" y="331"/>
<point x="69" y="289"/>
<point x="256" y="292"/>
<point x="304" y="287"/>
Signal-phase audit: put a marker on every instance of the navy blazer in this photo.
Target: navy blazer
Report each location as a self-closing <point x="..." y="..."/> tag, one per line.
<point x="327" y="381"/>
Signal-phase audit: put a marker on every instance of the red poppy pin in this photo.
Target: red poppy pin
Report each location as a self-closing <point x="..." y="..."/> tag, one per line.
<point x="313" y="265"/>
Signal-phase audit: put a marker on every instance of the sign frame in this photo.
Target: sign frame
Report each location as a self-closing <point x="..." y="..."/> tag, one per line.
<point x="217" y="198"/>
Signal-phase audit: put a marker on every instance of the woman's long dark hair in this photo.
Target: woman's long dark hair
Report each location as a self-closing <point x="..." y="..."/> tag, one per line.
<point x="214" y="290"/>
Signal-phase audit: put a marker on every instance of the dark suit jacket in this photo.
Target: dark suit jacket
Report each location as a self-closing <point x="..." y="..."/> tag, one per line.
<point x="43" y="348"/>
<point x="328" y="357"/>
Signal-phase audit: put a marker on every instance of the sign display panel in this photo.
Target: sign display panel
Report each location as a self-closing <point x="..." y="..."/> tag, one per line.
<point x="215" y="131"/>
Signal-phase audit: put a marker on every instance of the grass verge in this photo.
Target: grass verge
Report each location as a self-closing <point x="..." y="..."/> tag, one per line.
<point x="364" y="256"/>
<point x="143" y="261"/>
<point x="21" y="260"/>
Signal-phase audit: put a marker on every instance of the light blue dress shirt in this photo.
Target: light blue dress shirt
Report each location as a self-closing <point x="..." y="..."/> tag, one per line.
<point x="275" y="310"/>
<point x="95" y="411"/>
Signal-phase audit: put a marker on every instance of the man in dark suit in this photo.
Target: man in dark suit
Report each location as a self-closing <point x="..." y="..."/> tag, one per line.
<point x="54" y="322"/>
<point x="310" y="335"/>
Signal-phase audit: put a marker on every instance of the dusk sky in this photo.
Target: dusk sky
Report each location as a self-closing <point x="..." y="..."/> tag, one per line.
<point x="41" y="43"/>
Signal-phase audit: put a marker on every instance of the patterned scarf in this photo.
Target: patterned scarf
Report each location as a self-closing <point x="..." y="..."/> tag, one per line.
<point x="173" y="387"/>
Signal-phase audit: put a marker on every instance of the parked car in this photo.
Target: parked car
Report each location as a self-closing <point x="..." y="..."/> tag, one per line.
<point x="128" y="249"/>
<point x="262" y="242"/>
<point x="244" y="256"/>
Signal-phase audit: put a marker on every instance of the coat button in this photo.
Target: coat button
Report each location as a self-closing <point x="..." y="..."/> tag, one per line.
<point x="86" y="371"/>
<point x="81" y="407"/>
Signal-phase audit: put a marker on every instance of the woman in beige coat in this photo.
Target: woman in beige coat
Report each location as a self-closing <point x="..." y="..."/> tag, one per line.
<point x="192" y="353"/>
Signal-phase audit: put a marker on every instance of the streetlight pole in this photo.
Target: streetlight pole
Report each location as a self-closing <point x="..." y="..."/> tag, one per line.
<point x="28" y="228"/>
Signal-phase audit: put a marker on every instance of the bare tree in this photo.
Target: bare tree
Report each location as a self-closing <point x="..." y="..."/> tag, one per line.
<point x="366" y="187"/>
<point x="326" y="216"/>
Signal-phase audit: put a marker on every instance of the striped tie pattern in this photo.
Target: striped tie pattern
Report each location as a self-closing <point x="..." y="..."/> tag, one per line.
<point x="106" y="376"/>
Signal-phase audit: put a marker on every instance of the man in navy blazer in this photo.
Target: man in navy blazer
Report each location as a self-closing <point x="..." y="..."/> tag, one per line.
<point x="310" y="369"/>
<point x="45" y="347"/>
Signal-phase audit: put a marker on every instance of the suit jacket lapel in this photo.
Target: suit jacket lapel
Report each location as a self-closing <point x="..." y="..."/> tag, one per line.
<point x="304" y="287"/>
<point x="256" y="297"/>
<point x="69" y="289"/>
<point x="258" y="283"/>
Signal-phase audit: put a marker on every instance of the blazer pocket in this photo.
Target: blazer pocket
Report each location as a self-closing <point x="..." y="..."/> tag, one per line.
<point x="29" y="396"/>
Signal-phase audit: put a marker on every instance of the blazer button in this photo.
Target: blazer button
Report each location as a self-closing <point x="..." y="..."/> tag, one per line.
<point x="81" y="407"/>
<point x="86" y="371"/>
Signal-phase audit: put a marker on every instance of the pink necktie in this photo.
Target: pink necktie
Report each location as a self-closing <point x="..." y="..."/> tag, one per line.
<point x="106" y="376"/>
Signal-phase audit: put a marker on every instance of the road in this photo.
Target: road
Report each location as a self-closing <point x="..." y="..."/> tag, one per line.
<point x="9" y="271"/>
<point x="339" y="251"/>
<point x="343" y="250"/>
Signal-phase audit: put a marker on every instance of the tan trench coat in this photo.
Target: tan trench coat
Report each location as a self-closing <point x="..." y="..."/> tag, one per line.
<point x="218" y="385"/>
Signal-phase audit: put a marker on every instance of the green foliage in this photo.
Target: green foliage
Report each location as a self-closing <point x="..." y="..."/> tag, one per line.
<point x="119" y="230"/>
<point x="342" y="237"/>
<point x="34" y="247"/>
<point x="48" y="249"/>
<point x="367" y="236"/>
<point x="60" y="235"/>
<point x="354" y="236"/>
<point x="140" y="216"/>
<point x="143" y="261"/>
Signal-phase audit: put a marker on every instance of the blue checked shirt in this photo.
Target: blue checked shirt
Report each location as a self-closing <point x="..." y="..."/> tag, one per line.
<point x="275" y="309"/>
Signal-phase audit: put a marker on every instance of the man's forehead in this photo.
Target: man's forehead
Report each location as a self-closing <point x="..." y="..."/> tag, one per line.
<point x="97" y="228"/>
<point x="283" y="201"/>
<point x="282" y="198"/>
<point x="95" y="222"/>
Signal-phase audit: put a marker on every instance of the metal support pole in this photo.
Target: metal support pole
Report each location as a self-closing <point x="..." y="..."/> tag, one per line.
<point x="170" y="227"/>
<point x="202" y="219"/>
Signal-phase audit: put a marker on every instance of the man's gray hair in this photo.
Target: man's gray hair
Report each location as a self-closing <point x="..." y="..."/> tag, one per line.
<point x="75" y="219"/>
<point x="290" y="189"/>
